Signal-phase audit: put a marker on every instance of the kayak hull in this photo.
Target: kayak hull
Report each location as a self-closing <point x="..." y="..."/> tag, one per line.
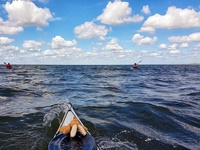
<point x="64" y="142"/>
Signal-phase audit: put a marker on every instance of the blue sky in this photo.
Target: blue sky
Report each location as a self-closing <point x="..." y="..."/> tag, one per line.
<point x="100" y="31"/>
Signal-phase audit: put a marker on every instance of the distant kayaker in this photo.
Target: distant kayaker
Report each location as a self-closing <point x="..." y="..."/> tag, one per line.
<point x="8" y="65"/>
<point x="135" y="66"/>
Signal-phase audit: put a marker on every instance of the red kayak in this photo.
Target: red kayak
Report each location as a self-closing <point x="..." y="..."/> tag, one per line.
<point x="135" y="67"/>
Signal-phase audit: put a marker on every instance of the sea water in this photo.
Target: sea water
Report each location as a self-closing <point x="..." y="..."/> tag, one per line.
<point x="154" y="107"/>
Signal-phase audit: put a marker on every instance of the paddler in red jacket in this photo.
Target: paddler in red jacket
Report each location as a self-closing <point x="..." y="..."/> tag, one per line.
<point x="135" y="66"/>
<point x="8" y="66"/>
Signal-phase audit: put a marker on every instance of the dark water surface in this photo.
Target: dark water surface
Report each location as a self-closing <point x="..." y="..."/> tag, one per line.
<point x="155" y="107"/>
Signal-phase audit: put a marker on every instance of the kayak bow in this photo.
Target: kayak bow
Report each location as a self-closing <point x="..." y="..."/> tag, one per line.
<point x="63" y="141"/>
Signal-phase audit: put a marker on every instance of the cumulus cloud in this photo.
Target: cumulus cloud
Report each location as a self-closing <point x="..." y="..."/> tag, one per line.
<point x="89" y="30"/>
<point x="8" y="28"/>
<point x="184" y="45"/>
<point x="141" y="40"/>
<point x="146" y="10"/>
<point x="59" y="42"/>
<point x="5" y="41"/>
<point x="8" y="49"/>
<point x="157" y="55"/>
<point x="32" y="45"/>
<point x="196" y="47"/>
<point x="118" y="13"/>
<point x="26" y="13"/>
<point x="147" y="29"/>
<point x="69" y="51"/>
<point x="194" y="37"/>
<point x="173" y="49"/>
<point x="162" y="46"/>
<point x="112" y="45"/>
<point x="174" y="18"/>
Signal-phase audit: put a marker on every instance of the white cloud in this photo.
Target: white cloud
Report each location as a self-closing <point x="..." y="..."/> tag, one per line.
<point x="146" y="10"/>
<point x="157" y="55"/>
<point x="118" y="13"/>
<point x="173" y="49"/>
<point x="9" y="49"/>
<point x="147" y="29"/>
<point x="122" y="56"/>
<point x="50" y="52"/>
<point x="184" y="45"/>
<point x="26" y="13"/>
<point x="90" y="55"/>
<point x="8" y="28"/>
<point x="5" y="41"/>
<point x="101" y="38"/>
<point x="196" y="47"/>
<point x="32" y="45"/>
<point x="112" y="45"/>
<point x="69" y="51"/>
<point x="89" y="30"/>
<point x="194" y="37"/>
<point x="174" y="18"/>
<point x="59" y="42"/>
<point x="162" y="46"/>
<point x="141" y="40"/>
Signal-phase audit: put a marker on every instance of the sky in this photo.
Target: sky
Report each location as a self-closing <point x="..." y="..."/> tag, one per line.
<point x="100" y="32"/>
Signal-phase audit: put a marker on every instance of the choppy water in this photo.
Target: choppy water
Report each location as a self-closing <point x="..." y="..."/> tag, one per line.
<point x="155" y="107"/>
